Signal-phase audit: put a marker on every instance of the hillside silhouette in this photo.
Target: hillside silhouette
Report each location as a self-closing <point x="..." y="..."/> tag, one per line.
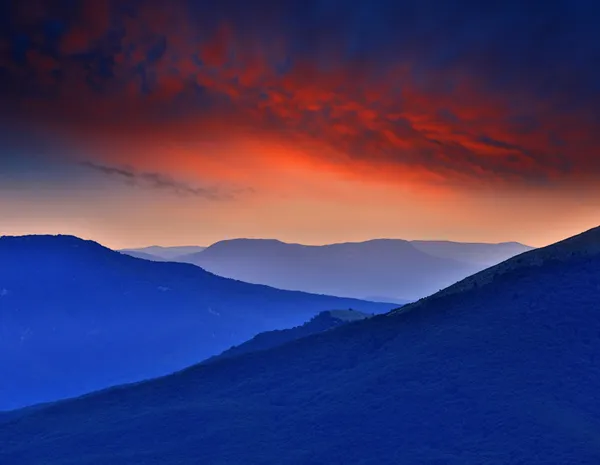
<point x="324" y="321"/>
<point x="502" y="372"/>
<point x="77" y="317"/>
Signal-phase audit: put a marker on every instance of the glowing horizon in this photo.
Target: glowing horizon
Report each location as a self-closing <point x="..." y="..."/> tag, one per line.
<point x="135" y="123"/>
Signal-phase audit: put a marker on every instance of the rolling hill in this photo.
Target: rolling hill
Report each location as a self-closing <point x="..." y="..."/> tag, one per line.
<point x="392" y="269"/>
<point x="76" y="317"/>
<point x="324" y="321"/>
<point x="499" y="369"/>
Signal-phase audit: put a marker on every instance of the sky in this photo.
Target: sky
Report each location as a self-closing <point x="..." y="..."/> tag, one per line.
<point x="139" y="122"/>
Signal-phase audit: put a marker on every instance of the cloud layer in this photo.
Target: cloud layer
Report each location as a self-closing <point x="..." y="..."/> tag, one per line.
<point x="160" y="181"/>
<point x="459" y="94"/>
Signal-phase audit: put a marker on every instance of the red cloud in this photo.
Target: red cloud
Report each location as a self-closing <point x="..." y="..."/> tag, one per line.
<point x="92" y="25"/>
<point x="338" y="113"/>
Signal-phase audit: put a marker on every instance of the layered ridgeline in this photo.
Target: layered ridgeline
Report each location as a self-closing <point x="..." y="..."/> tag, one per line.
<point x="76" y="317"/>
<point x="324" y="321"/>
<point x="161" y="254"/>
<point x="384" y="269"/>
<point x="505" y="371"/>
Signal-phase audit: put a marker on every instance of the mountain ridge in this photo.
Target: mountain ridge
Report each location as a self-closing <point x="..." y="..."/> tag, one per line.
<point x="324" y="321"/>
<point x="76" y="316"/>
<point x="166" y="253"/>
<point x="400" y="269"/>
<point x="583" y="244"/>
<point x="273" y="241"/>
<point x="497" y="374"/>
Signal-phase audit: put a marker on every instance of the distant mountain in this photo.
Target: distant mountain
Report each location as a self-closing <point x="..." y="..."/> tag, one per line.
<point x="163" y="253"/>
<point x="471" y="252"/>
<point x="322" y="322"/>
<point x="145" y="256"/>
<point x="398" y="269"/>
<point x="76" y="317"/>
<point x="500" y="369"/>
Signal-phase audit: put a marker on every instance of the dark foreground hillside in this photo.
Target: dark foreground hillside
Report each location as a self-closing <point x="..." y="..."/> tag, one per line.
<point x="77" y="317"/>
<point x="503" y="372"/>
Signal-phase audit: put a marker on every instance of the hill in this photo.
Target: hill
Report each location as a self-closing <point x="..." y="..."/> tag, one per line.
<point x="398" y="269"/>
<point x="162" y="253"/>
<point x="76" y="317"/>
<point x="324" y="321"/>
<point x="499" y="373"/>
<point x="145" y="256"/>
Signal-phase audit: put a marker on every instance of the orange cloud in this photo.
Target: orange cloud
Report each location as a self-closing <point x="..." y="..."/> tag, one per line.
<point x="173" y="82"/>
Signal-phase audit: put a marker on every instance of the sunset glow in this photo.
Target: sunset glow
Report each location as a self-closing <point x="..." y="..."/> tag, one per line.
<point x="132" y="123"/>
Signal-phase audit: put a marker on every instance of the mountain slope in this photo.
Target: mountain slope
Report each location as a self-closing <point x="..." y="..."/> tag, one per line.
<point x="476" y="253"/>
<point x="324" y="321"/>
<point x="580" y="246"/>
<point x="500" y="373"/>
<point x="385" y="267"/>
<point x="75" y="316"/>
<point x="164" y="253"/>
<point x="144" y="256"/>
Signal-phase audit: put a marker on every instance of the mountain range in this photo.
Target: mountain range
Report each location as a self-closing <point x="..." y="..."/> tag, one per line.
<point x="501" y="368"/>
<point x="383" y="269"/>
<point x="77" y="317"/>
<point x="163" y="254"/>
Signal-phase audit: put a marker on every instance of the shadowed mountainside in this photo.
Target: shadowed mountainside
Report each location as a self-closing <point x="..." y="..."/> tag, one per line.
<point x="503" y="372"/>
<point x="76" y="316"/>
<point x="324" y="321"/>
<point x="146" y="256"/>
<point x="162" y="253"/>
<point x="396" y="268"/>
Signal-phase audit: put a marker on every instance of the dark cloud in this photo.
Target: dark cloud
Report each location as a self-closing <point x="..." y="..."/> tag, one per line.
<point x="162" y="182"/>
<point x="467" y="90"/>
